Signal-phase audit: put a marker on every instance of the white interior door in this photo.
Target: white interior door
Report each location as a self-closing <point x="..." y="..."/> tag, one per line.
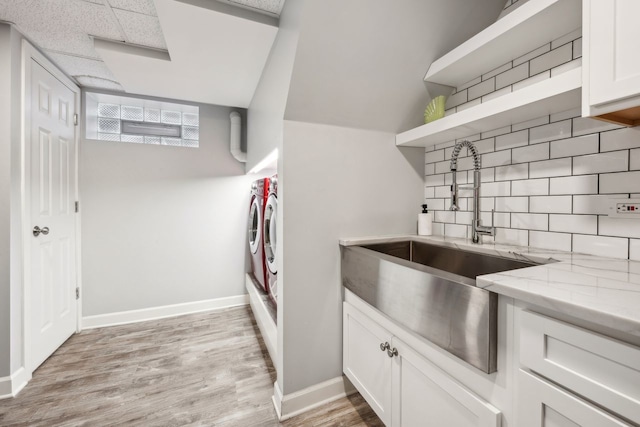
<point x="51" y="141"/>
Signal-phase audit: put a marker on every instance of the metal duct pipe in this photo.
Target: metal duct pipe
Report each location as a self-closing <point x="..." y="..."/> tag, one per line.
<point x="236" y="132"/>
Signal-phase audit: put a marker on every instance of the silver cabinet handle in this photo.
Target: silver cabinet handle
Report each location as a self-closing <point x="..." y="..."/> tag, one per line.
<point x="37" y="231"/>
<point x="384" y="346"/>
<point x="392" y="352"/>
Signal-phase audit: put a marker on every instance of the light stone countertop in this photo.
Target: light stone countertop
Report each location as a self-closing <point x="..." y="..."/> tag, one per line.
<point x="605" y="291"/>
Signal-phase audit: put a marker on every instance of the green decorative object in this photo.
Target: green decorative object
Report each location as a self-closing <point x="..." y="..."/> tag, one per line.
<point x="435" y="109"/>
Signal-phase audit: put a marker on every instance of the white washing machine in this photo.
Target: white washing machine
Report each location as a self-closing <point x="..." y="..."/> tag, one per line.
<point x="270" y="239"/>
<point x="259" y="190"/>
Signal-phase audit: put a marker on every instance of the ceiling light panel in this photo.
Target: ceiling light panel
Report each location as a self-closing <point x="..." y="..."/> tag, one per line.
<point x="140" y="6"/>
<point x="141" y="29"/>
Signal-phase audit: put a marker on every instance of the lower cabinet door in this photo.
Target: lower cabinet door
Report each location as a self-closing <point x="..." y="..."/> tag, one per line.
<point x="365" y="362"/>
<point x="424" y="395"/>
<point x="541" y="404"/>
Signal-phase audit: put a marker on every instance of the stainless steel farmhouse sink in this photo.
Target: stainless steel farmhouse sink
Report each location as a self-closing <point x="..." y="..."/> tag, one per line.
<point x="431" y="289"/>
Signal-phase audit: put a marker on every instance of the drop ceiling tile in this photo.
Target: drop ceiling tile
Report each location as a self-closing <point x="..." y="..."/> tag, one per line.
<point x="141" y="29"/>
<point x="140" y="6"/>
<point x="270" y="6"/>
<point x="95" y="82"/>
<point x="75" y="66"/>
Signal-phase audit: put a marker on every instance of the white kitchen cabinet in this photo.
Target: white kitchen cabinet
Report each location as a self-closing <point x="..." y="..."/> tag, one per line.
<point x="365" y="363"/>
<point x="611" y="64"/>
<point x="541" y="404"/>
<point x="403" y="387"/>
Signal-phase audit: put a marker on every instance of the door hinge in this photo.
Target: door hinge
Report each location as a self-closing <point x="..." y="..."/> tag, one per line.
<point x="77" y="293"/>
<point x="75" y="119"/>
<point x="77" y="207"/>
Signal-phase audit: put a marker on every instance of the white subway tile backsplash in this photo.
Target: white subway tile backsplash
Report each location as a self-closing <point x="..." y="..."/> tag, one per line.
<point x="442" y="167"/>
<point x="530" y="153"/>
<point x="500" y="219"/>
<point x="622" y="182"/>
<point x="461" y="178"/>
<point x="497" y="158"/>
<point x="487" y="203"/>
<point x="551" y="59"/>
<point x="482" y="88"/>
<point x="433" y="180"/>
<point x="496" y="94"/>
<point x="530" y="187"/>
<point x="465" y="163"/>
<point x="429" y="169"/>
<point x="550" y="204"/>
<point x="634" y="161"/>
<point x="444" y="216"/>
<point x="429" y="192"/>
<point x="550" y="168"/>
<point x="455" y="230"/>
<point x="464" y="217"/>
<point x="487" y="175"/>
<point x="619" y="227"/>
<point x="634" y="249"/>
<point x="620" y="139"/>
<point x="612" y="161"/>
<point x="472" y="138"/>
<point x="585" y="184"/>
<point x="577" y="48"/>
<point x="512" y="236"/>
<point x="512" y="140"/>
<point x="550" y="132"/>
<point x="564" y="115"/>
<point x="444" y="145"/>
<point x="567" y="38"/>
<point x="434" y="156"/>
<point x="532" y="80"/>
<point x="496" y="132"/>
<point x="443" y="192"/>
<point x="435" y="204"/>
<point x="512" y="172"/>
<point x="534" y="53"/>
<point x="512" y="204"/>
<point x="612" y="247"/>
<point x="496" y="189"/>
<point x="485" y="145"/>
<point x="585" y="125"/>
<point x="438" y="229"/>
<point x="456" y="99"/>
<point x="582" y="224"/>
<point x="530" y="221"/>
<point x="552" y="241"/>
<point x="469" y="84"/>
<point x="512" y="76"/>
<point x="497" y="71"/>
<point x="586" y="144"/>
<point x="594" y="204"/>
<point x="530" y="123"/>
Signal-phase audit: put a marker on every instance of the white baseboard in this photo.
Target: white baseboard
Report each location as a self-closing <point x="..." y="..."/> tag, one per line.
<point x="153" y="313"/>
<point x="266" y="325"/>
<point x="12" y="385"/>
<point x="290" y="405"/>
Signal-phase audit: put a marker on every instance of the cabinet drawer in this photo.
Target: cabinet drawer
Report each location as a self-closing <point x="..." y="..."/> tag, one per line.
<point x="599" y="368"/>
<point x="541" y="404"/>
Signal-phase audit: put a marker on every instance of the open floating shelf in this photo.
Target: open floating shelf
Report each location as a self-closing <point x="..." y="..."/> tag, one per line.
<point x="530" y="26"/>
<point x="553" y="95"/>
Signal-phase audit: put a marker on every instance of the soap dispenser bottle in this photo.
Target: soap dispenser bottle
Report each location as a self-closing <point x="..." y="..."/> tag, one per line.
<point x="425" y="222"/>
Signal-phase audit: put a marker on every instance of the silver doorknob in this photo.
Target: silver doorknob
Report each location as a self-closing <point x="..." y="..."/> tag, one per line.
<point x="392" y="352"/>
<point x="37" y="231"/>
<point x="384" y="346"/>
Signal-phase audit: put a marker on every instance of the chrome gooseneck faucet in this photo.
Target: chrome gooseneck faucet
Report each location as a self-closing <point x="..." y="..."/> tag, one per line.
<point x="476" y="225"/>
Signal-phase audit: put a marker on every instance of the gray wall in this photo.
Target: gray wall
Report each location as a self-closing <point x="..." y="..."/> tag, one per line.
<point x="334" y="183"/>
<point x="162" y="225"/>
<point x="10" y="212"/>
<point x="266" y="112"/>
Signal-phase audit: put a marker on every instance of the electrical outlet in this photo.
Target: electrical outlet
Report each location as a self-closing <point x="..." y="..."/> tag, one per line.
<point x="624" y="208"/>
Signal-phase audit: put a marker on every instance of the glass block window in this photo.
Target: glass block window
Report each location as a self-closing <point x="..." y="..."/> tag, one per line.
<point x="106" y="114"/>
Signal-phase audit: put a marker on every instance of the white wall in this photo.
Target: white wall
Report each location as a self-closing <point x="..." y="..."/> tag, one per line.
<point x="162" y="225"/>
<point x="334" y="182"/>
<point x="266" y="112"/>
<point x="10" y="211"/>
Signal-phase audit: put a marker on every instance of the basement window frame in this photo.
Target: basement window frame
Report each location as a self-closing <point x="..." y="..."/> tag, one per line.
<point x="107" y="114"/>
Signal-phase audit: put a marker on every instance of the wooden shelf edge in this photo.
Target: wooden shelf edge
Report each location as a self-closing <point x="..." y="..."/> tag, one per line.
<point x="514" y="35"/>
<point x="553" y="95"/>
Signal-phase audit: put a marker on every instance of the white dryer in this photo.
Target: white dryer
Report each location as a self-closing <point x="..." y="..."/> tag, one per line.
<point x="270" y="239"/>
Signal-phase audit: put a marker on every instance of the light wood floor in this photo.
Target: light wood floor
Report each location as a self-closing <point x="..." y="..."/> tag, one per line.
<point x="209" y="369"/>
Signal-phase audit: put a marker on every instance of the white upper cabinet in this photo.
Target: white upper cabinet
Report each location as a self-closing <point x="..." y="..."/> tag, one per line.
<point x="611" y="67"/>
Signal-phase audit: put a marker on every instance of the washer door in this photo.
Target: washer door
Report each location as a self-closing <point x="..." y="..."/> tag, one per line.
<point x="255" y="225"/>
<point x="270" y="240"/>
